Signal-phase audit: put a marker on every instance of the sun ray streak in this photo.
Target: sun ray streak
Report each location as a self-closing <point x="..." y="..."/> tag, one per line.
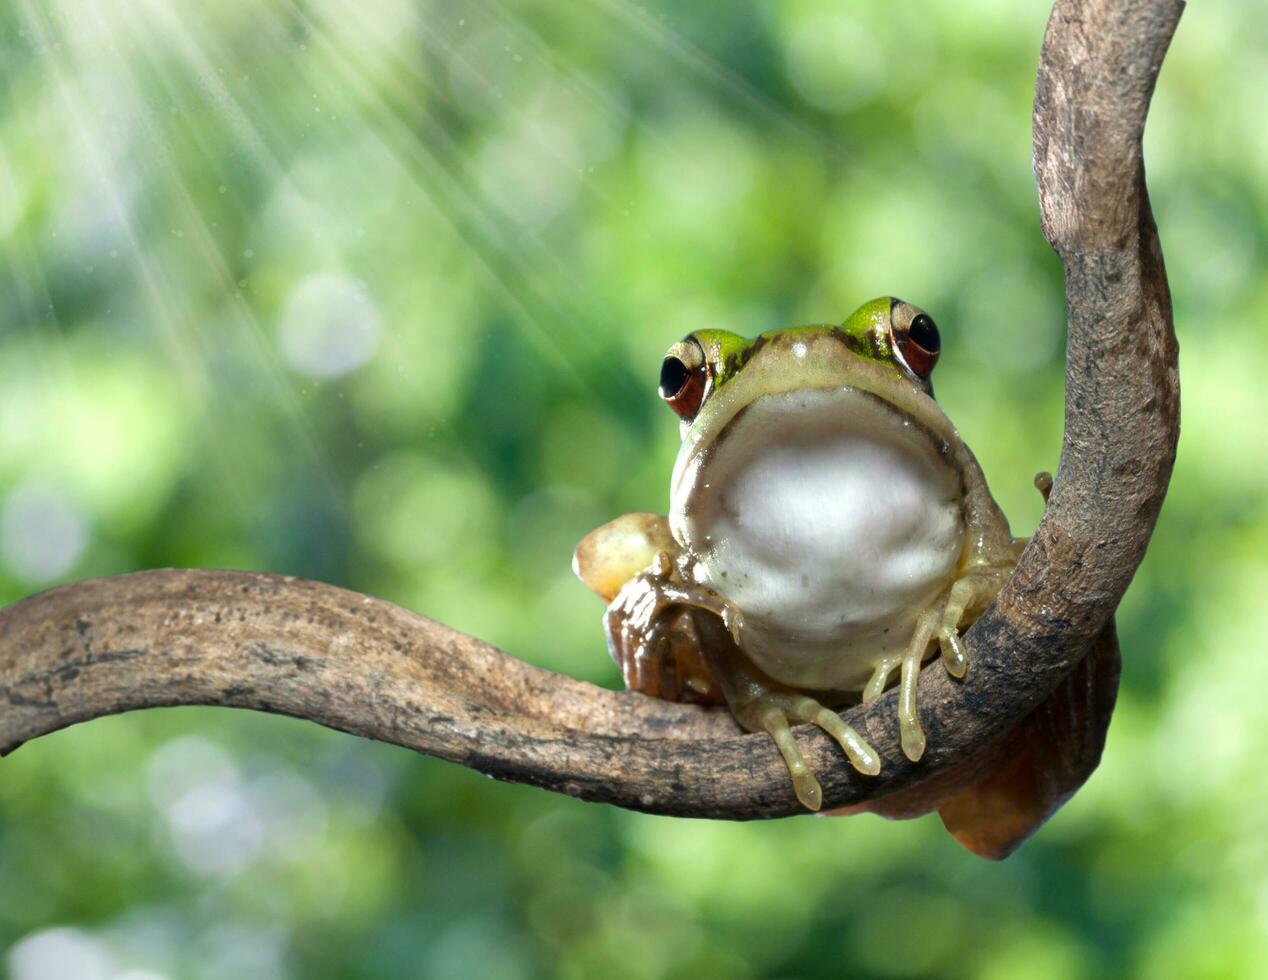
<point x="509" y="272"/>
<point x="510" y="275"/>
<point x="29" y="286"/>
<point x="167" y="314"/>
<point x="170" y="178"/>
<point x="717" y="75"/>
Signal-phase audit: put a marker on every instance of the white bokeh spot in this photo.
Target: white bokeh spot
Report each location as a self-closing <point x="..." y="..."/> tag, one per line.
<point x="59" y="954"/>
<point x="330" y="326"/>
<point x="197" y="788"/>
<point x="42" y="533"/>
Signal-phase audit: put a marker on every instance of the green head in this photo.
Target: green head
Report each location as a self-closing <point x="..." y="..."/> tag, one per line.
<point x="885" y="331"/>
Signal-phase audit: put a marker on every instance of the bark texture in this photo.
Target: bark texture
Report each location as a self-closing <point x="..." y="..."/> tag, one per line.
<point x="364" y="666"/>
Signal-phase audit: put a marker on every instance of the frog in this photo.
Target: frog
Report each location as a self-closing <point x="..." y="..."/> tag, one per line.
<point x="829" y="533"/>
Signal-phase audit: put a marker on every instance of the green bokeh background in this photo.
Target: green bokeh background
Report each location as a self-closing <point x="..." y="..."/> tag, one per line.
<point x="375" y="292"/>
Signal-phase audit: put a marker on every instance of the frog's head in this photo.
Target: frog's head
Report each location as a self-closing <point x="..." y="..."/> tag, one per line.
<point x="888" y="334"/>
<point x="792" y="409"/>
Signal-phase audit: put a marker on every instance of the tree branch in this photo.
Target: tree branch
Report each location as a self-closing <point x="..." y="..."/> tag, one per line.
<point x="365" y="666"/>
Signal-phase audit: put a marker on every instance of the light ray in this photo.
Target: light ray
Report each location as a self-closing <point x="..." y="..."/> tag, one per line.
<point x="501" y="261"/>
<point x="166" y="312"/>
<point x="170" y="177"/>
<point x="716" y="75"/>
<point x="510" y="274"/>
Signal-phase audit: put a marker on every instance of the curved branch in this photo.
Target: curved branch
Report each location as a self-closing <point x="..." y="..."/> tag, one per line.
<point x="367" y="667"/>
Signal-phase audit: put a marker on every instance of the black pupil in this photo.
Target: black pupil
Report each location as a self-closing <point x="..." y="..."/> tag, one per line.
<point x="673" y="375"/>
<point x="925" y="333"/>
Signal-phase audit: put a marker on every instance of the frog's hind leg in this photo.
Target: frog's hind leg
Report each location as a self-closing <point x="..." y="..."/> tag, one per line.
<point x="652" y="635"/>
<point x="674" y="669"/>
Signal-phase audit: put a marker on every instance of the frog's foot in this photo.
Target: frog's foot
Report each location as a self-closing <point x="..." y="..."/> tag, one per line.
<point x="969" y="595"/>
<point x="648" y="635"/>
<point x="940" y="621"/>
<point x="773" y="712"/>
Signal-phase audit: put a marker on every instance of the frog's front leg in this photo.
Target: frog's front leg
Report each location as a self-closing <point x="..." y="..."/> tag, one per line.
<point x="773" y="711"/>
<point x="990" y="561"/>
<point x="960" y="605"/>
<point x="969" y="595"/>
<point x="911" y="735"/>
<point x="979" y="584"/>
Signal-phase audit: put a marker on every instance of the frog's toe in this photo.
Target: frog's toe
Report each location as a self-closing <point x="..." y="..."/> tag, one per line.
<point x="774" y="712"/>
<point x="861" y="755"/>
<point x="774" y="722"/>
<point x="954" y="656"/>
<point x="880" y="677"/>
<point x="768" y="714"/>
<point x="911" y="735"/>
<point x="968" y="596"/>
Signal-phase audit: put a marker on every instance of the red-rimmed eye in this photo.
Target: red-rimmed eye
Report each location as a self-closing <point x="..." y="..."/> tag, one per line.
<point x="919" y="344"/>
<point x="683" y="375"/>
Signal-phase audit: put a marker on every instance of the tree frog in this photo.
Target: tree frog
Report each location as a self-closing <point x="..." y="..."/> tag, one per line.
<point x="828" y="532"/>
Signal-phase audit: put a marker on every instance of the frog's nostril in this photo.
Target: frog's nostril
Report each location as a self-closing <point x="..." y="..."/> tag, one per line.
<point x="673" y="375"/>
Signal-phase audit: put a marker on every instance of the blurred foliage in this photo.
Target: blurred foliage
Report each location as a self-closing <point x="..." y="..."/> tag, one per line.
<point x="375" y="292"/>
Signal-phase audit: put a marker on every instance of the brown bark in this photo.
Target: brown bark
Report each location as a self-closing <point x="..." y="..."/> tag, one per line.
<point x="364" y="666"/>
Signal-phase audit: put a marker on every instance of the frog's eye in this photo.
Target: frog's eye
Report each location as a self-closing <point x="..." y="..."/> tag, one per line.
<point x="683" y="374"/>
<point x="919" y="344"/>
